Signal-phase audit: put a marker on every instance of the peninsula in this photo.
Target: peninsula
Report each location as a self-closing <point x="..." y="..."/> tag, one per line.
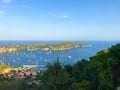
<point x="54" y="47"/>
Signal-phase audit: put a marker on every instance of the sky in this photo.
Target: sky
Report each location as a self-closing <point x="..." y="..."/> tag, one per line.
<point x="59" y="19"/>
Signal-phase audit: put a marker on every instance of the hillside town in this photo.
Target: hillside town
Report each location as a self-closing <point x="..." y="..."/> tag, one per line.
<point x="28" y="72"/>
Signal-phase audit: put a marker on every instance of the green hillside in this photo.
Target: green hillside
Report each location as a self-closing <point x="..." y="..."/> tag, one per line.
<point x="101" y="72"/>
<point x="60" y="46"/>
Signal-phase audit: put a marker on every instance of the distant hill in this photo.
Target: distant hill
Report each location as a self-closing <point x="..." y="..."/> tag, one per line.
<point x="61" y="46"/>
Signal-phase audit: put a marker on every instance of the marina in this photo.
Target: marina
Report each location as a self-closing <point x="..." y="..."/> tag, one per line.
<point x="35" y="67"/>
<point x="41" y="57"/>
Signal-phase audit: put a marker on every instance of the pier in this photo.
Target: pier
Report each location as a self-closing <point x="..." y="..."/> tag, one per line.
<point x="39" y="67"/>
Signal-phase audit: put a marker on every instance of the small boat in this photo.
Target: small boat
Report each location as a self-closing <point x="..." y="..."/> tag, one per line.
<point x="14" y="61"/>
<point x="69" y="57"/>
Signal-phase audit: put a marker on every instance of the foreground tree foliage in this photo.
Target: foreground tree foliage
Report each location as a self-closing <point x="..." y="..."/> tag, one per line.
<point x="101" y="72"/>
<point x="6" y="84"/>
<point x="56" y="78"/>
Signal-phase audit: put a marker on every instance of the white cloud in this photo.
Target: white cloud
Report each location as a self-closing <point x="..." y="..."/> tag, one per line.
<point x="2" y="12"/>
<point x="62" y="16"/>
<point x="6" y="1"/>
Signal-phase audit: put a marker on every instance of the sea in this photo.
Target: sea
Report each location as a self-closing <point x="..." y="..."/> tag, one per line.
<point x="41" y="57"/>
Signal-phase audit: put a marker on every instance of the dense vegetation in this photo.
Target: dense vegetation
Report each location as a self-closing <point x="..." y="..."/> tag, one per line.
<point x="2" y="67"/>
<point x="61" y="46"/>
<point x="102" y="72"/>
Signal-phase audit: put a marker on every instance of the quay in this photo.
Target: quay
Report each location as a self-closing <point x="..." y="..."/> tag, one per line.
<point x="39" y="67"/>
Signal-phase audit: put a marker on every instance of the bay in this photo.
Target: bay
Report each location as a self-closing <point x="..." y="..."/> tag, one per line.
<point x="20" y="58"/>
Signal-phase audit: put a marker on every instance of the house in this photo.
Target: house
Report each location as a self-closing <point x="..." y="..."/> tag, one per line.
<point x="36" y="82"/>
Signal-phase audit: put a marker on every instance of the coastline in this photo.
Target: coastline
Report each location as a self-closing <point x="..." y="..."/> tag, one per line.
<point x="46" y="47"/>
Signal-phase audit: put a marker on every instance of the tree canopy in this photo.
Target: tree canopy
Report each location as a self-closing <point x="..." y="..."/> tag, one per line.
<point x="101" y="72"/>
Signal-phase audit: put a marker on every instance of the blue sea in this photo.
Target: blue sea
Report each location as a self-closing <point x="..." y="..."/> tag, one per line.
<point x="20" y="58"/>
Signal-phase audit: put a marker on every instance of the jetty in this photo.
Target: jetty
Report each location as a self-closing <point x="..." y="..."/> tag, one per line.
<point x="38" y="67"/>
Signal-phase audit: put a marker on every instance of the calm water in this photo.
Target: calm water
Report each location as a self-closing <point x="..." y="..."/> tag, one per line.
<point x="19" y="58"/>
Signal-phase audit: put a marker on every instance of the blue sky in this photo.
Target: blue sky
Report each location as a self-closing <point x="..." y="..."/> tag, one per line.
<point x="59" y="19"/>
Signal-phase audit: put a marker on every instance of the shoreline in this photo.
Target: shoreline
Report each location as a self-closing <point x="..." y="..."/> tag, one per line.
<point x="46" y="47"/>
